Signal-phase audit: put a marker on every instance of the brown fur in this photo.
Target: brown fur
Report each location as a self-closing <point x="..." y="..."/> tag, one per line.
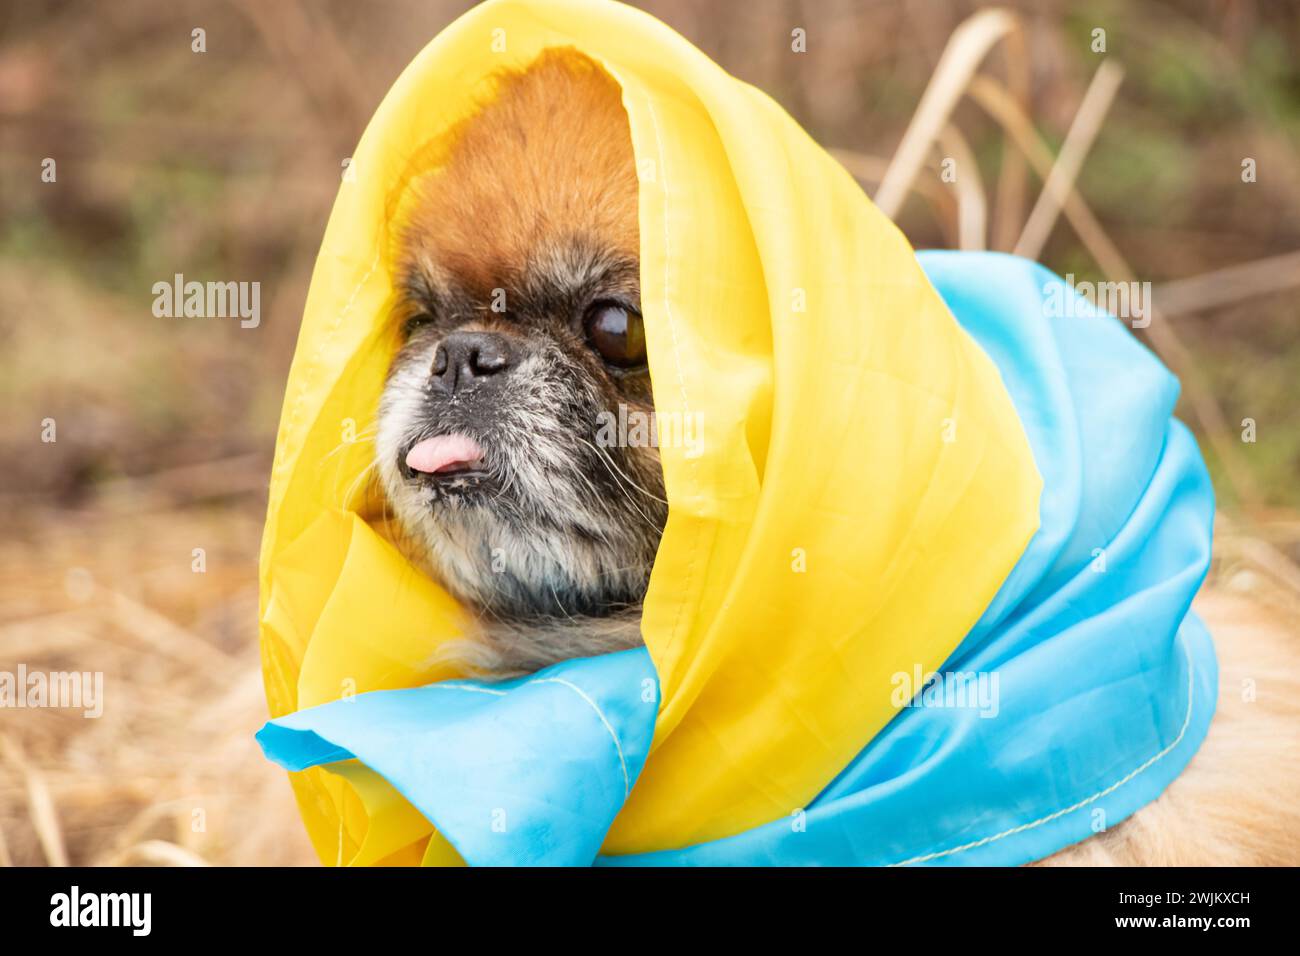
<point x="558" y="135"/>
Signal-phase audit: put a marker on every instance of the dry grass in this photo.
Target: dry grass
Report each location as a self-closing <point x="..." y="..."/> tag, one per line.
<point x="170" y="774"/>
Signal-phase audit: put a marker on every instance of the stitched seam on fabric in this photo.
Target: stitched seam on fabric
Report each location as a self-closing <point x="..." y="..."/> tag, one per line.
<point x="668" y="255"/>
<point x="471" y="688"/>
<point x="672" y="328"/>
<point x="618" y="745"/>
<point x="1187" y="720"/>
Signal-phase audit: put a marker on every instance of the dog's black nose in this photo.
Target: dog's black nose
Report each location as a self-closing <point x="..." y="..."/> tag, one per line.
<point x="465" y="359"/>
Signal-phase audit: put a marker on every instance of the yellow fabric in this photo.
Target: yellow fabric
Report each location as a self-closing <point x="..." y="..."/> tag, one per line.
<point x="862" y="488"/>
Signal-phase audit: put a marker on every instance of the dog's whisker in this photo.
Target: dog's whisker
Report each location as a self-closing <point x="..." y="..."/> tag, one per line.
<point x="609" y="458"/>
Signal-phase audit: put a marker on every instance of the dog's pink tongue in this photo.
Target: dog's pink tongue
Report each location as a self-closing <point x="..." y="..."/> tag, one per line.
<point x="444" y="453"/>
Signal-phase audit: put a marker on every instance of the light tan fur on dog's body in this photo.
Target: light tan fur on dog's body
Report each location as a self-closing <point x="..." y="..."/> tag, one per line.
<point x="1237" y="802"/>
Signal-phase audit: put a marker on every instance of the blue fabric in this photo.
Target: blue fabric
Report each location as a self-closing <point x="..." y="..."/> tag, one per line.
<point x="1099" y="683"/>
<point x="529" y="771"/>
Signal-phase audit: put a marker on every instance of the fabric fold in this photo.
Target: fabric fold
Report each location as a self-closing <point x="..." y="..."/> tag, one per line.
<point x="526" y="772"/>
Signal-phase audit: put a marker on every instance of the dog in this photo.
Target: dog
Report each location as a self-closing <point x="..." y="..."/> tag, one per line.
<point x="519" y="309"/>
<point x="519" y="317"/>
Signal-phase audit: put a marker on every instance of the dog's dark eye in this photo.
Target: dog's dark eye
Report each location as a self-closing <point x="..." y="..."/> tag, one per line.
<point x="416" y="322"/>
<point x="616" y="333"/>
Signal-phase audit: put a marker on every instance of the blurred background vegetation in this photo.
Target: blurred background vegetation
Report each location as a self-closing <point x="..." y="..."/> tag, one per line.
<point x="223" y="165"/>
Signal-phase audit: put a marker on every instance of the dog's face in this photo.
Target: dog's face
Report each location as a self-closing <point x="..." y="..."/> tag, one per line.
<point x="520" y="323"/>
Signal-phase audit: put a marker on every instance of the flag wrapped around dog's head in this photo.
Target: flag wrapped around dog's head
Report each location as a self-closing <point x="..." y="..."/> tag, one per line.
<point x="848" y="480"/>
